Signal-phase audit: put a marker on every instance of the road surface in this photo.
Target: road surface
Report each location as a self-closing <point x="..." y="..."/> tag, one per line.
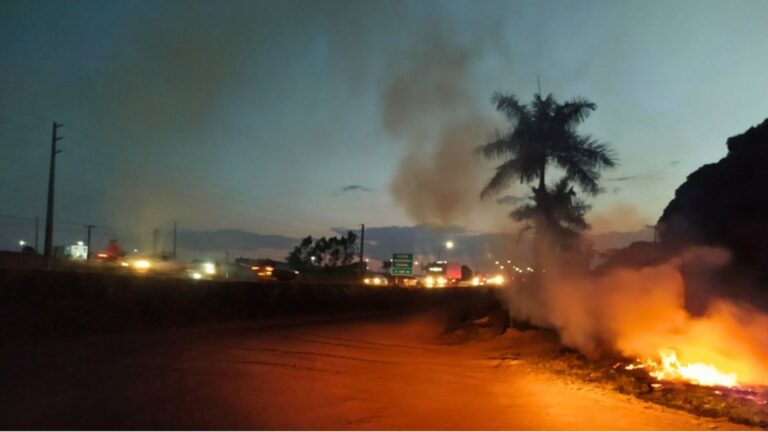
<point x="370" y="373"/>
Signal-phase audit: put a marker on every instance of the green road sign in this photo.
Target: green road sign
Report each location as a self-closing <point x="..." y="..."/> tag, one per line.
<point x="402" y="264"/>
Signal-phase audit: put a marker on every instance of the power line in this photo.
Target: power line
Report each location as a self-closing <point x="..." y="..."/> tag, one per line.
<point x="281" y="217"/>
<point x="192" y="170"/>
<point x="219" y="191"/>
<point x="277" y="215"/>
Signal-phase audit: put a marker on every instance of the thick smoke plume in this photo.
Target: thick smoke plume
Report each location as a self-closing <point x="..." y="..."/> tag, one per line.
<point x="439" y="185"/>
<point x="639" y="312"/>
<point x="428" y="103"/>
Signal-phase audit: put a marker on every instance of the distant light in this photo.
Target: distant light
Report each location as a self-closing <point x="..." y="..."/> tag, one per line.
<point x="312" y="258"/>
<point x="449" y="244"/>
<point x="509" y="262"/>
<point x="135" y="251"/>
<point x="497" y="263"/>
<point x="209" y="268"/>
<point x="22" y="242"/>
<point x="366" y="260"/>
<point x="196" y="275"/>
<point x="501" y="267"/>
<point x="416" y="262"/>
<point x="80" y="243"/>
<point x="142" y="264"/>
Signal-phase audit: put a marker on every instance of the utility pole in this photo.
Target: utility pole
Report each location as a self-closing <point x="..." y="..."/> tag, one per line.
<point x="174" y="240"/>
<point x="37" y="234"/>
<point x="538" y="83"/>
<point x="48" y="248"/>
<point x="362" y="250"/>
<point x="88" y="242"/>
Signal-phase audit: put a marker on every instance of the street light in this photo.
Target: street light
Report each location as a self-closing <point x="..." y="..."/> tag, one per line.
<point x="22" y="243"/>
<point x="448" y="245"/>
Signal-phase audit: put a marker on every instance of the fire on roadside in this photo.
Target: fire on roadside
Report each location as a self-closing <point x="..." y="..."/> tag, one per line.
<point x="670" y="368"/>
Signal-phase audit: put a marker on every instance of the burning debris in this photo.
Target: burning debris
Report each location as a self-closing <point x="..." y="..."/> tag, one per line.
<point x="670" y="369"/>
<point x="641" y="314"/>
<point x="738" y="403"/>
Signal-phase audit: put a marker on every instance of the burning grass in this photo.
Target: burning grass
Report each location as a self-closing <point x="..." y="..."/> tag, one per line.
<point x="663" y="381"/>
<point x="743" y="404"/>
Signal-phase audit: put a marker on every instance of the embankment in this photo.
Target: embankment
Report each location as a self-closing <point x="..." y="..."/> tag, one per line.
<point x="44" y="304"/>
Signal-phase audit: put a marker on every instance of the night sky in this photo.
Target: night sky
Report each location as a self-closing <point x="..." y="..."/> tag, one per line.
<point x="295" y="118"/>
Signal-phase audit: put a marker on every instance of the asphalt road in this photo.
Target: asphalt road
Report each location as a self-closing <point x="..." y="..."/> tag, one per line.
<point x="375" y="373"/>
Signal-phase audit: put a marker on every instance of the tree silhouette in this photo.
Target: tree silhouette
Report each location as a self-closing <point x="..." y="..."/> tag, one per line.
<point x="544" y="136"/>
<point x="324" y="252"/>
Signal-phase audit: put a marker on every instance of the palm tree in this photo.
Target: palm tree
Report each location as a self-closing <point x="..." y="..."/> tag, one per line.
<point x="564" y="217"/>
<point x="544" y="135"/>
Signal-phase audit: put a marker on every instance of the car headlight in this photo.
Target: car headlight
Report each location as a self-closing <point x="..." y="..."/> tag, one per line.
<point x="142" y="264"/>
<point x="209" y="268"/>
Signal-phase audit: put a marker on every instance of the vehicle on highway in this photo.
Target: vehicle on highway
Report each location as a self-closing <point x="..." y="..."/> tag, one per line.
<point x="440" y="274"/>
<point x="152" y="265"/>
<point x="268" y="269"/>
<point x="206" y="270"/>
<point x="377" y="279"/>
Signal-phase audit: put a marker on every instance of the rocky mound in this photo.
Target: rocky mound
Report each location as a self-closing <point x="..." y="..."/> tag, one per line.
<point x="726" y="204"/>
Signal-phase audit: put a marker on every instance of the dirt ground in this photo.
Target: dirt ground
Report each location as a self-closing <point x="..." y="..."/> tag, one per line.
<point x="375" y="373"/>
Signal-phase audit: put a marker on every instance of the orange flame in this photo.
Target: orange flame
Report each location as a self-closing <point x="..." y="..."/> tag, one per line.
<point x="671" y="369"/>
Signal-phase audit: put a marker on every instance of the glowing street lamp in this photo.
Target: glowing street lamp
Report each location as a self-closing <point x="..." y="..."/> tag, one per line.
<point x="449" y="245"/>
<point x="22" y="243"/>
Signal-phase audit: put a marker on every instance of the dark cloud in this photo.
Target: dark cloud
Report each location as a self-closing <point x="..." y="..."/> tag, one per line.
<point x="643" y="177"/>
<point x="622" y="179"/>
<point x="355" y="188"/>
<point x="511" y="200"/>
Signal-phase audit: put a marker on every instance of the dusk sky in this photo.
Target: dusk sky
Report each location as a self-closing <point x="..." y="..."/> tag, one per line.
<point x="294" y="118"/>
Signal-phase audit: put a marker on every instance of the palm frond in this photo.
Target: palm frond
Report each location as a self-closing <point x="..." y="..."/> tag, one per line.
<point x="497" y="148"/>
<point x="510" y="106"/>
<point x="505" y="173"/>
<point x="574" y="111"/>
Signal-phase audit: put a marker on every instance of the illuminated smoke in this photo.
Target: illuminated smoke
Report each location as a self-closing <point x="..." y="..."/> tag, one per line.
<point x="640" y="312"/>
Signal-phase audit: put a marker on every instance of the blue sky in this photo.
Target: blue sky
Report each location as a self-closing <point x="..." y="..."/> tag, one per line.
<point x="255" y="115"/>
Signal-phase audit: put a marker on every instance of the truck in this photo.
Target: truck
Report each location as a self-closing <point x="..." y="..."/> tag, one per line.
<point x="441" y="274"/>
